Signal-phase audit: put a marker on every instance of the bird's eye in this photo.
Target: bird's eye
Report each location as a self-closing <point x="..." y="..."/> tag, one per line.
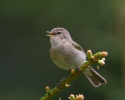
<point x="59" y="32"/>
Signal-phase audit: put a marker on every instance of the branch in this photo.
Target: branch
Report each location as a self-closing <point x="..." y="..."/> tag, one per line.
<point x="96" y="58"/>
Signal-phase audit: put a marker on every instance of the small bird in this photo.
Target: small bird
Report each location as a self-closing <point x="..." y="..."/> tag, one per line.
<point x="67" y="54"/>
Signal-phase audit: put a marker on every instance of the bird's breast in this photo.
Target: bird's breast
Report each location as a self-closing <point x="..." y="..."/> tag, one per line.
<point x="66" y="56"/>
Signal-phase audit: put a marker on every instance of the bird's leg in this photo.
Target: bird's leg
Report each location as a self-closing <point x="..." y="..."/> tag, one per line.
<point x="60" y="82"/>
<point x="78" y="69"/>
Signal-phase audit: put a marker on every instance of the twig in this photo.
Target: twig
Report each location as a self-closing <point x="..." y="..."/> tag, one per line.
<point x="96" y="58"/>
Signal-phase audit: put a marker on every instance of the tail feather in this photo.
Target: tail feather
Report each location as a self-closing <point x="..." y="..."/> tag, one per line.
<point x="95" y="79"/>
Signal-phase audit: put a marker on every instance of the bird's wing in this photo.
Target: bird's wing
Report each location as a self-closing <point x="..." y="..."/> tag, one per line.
<point x="77" y="46"/>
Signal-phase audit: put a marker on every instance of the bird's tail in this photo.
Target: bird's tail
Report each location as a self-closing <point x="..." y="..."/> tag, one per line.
<point x="95" y="79"/>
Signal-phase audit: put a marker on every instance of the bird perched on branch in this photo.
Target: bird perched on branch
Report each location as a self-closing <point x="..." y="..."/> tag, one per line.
<point x="67" y="54"/>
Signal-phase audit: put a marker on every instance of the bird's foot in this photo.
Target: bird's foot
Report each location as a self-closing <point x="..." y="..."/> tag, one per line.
<point x="61" y="81"/>
<point x="78" y="69"/>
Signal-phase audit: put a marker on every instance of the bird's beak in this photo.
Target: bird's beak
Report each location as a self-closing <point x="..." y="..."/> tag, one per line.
<point x="49" y="33"/>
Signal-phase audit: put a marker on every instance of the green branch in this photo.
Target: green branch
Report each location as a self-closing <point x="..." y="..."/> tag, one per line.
<point x="96" y="58"/>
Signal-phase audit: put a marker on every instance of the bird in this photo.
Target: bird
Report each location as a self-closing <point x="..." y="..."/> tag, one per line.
<point x="67" y="54"/>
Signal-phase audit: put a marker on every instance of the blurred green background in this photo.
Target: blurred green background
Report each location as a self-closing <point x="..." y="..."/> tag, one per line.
<point x="25" y="65"/>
